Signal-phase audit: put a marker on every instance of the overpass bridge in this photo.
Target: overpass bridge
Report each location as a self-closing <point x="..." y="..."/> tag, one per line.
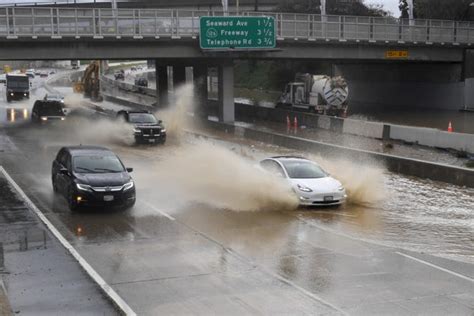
<point x="171" y="36"/>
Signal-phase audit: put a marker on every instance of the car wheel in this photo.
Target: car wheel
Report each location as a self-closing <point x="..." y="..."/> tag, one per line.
<point x="72" y="204"/>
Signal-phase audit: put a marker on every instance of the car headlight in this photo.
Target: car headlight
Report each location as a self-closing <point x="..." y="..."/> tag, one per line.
<point x="304" y="188"/>
<point x="44" y="118"/>
<point x="341" y="188"/>
<point x="24" y="94"/>
<point x="136" y="130"/>
<point x="83" y="187"/>
<point x="128" y="186"/>
<point x="163" y="130"/>
<point x="11" y="93"/>
<point x="63" y="118"/>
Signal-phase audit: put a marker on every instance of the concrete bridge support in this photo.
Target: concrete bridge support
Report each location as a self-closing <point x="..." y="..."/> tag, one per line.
<point x="469" y="79"/>
<point x="226" y="92"/>
<point x="162" y="84"/>
<point x="179" y="76"/>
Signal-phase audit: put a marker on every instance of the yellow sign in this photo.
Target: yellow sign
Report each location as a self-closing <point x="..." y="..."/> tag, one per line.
<point x="390" y="54"/>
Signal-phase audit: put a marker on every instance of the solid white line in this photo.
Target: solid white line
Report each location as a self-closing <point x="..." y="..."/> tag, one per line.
<point x="116" y="299"/>
<point x="437" y="267"/>
<point x="158" y="211"/>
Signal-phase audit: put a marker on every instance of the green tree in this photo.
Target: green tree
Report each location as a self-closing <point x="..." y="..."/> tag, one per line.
<point x="403" y="6"/>
<point x="442" y="9"/>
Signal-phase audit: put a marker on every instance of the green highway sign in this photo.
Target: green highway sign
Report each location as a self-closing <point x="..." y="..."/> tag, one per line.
<point x="237" y="32"/>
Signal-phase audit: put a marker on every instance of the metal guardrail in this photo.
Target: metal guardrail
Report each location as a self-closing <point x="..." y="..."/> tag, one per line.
<point x="16" y="22"/>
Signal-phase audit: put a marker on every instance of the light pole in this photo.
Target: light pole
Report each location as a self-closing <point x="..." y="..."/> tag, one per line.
<point x="410" y="12"/>
<point x="323" y="17"/>
<point x="225" y="7"/>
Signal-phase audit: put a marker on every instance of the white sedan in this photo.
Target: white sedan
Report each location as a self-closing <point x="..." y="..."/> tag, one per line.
<point x="309" y="181"/>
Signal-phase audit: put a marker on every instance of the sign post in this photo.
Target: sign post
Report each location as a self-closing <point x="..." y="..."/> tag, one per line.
<point x="237" y="32"/>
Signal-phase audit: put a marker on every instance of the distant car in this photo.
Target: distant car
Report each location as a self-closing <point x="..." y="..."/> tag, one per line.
<point x="141" y="82"/>
<point x="309" y="181"/>
<point x="54" y="97"/>
<point x="146" y="127"/>
<point x="30" y="73"/>
<point x="119" y="75"/>
<point x="37" y="72"/>
<point x="89" y="176"/>
<point x="139" y="67"/>
<point x="133" y="68"/>
<point x="43" y="74"/>
<point x="3" y="78"/>
<point x="52" y="72"/>
<point x="47" y="111"/>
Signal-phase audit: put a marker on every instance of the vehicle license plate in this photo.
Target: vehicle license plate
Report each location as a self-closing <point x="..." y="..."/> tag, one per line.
<point x="328" y="198"/>
<point x="151" y="140"/>
<point x="108" y="198"/>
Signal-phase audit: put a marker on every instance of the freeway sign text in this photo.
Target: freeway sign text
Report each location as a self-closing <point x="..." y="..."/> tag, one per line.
<point x="237" y="32"/>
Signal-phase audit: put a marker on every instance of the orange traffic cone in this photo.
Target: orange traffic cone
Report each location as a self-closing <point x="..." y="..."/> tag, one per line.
<point x="450" y="127"/>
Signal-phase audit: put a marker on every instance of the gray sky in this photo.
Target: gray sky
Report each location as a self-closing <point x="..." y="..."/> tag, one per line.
<point x="390" y="5"/>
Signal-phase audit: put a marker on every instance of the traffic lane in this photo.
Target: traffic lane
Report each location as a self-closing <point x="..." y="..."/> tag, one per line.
<point x="239" y="232"/>
<point x="139" y="243"/>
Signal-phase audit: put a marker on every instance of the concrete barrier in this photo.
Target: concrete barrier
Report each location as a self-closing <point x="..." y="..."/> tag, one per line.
<point x="423" y="136"/>
<point x="363" y="128"/>
<point x="406" y="166"/>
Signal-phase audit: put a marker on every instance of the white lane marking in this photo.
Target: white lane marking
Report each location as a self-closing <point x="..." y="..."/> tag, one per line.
<point x="437" y="267"/>
<point x="116" y="299"/>
<point x="158" y="210"/>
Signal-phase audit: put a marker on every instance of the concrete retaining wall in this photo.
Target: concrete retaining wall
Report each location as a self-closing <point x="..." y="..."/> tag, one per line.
<point x="406" y="166"/>
<point x="128" y="86"/>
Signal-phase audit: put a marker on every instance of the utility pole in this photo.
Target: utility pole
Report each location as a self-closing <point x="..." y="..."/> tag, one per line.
<point x="323" y="7"/>
<point x="225" y="7"/>
<point x="410" y="9"/>
<point x="323" y="17"/>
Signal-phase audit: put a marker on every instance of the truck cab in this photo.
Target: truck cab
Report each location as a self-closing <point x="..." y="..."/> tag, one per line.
<point x="294" y="95"/>
<point x="18" y="87"/>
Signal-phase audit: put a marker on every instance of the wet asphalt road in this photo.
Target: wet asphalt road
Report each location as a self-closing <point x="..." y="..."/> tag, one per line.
<point x="171" y="255"/>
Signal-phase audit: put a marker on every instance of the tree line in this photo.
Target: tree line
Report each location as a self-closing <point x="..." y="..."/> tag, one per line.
<point x="423" y="9"/>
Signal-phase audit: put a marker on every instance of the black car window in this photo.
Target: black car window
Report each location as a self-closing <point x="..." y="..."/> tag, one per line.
<point x="273" y="167"/>
<point x="97" y="164"/>
<point x="300" y="169"/>
<point x="51" y="109"/>
<point x="142" y="118"/>
<point x="67" y="164"/>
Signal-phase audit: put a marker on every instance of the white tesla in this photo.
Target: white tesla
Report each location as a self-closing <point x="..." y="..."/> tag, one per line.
<point x="309" y="181"/>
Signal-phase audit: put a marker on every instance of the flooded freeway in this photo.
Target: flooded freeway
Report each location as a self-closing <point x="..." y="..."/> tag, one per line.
<point x="208" y="236"/>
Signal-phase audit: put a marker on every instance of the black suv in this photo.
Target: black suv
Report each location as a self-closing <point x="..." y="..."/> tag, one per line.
<point x="146" y="127"/>
<point x="48" y="111"/>
<point x="92" y="176"/>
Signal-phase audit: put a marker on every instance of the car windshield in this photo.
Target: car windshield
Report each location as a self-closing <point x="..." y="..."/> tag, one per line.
<point x="51" y="109"/>
<point x="97" y="164"/>
<point x="298" y="169"/>
<point x="54" y="97"/>
<point x="142" y="118"/>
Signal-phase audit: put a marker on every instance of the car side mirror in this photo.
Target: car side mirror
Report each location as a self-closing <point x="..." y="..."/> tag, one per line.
<point x="129" y="169"/>
<point x="160" y="121"/>
<point x="64" y="171"/>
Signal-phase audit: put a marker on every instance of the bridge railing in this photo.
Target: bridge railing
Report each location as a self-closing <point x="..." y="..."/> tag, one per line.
<point x="51" y="22"/>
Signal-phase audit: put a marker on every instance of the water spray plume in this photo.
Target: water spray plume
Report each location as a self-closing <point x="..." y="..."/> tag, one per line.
<point x="364" y="183"/>
<point x="214" y="175"/>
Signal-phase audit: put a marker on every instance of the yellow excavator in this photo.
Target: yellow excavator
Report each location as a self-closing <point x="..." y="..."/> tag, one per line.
<point x="89" y="83"/>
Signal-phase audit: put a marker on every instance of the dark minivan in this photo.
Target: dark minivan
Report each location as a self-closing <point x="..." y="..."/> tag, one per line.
<point x="92" y="176"/>
<point x="48" y="111"/>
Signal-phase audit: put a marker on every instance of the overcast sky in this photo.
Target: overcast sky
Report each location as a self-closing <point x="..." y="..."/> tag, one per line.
<point x="390" y="5"/>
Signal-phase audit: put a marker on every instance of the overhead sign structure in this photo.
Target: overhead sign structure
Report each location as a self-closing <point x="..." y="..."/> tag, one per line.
<point x="237" y="32"/>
